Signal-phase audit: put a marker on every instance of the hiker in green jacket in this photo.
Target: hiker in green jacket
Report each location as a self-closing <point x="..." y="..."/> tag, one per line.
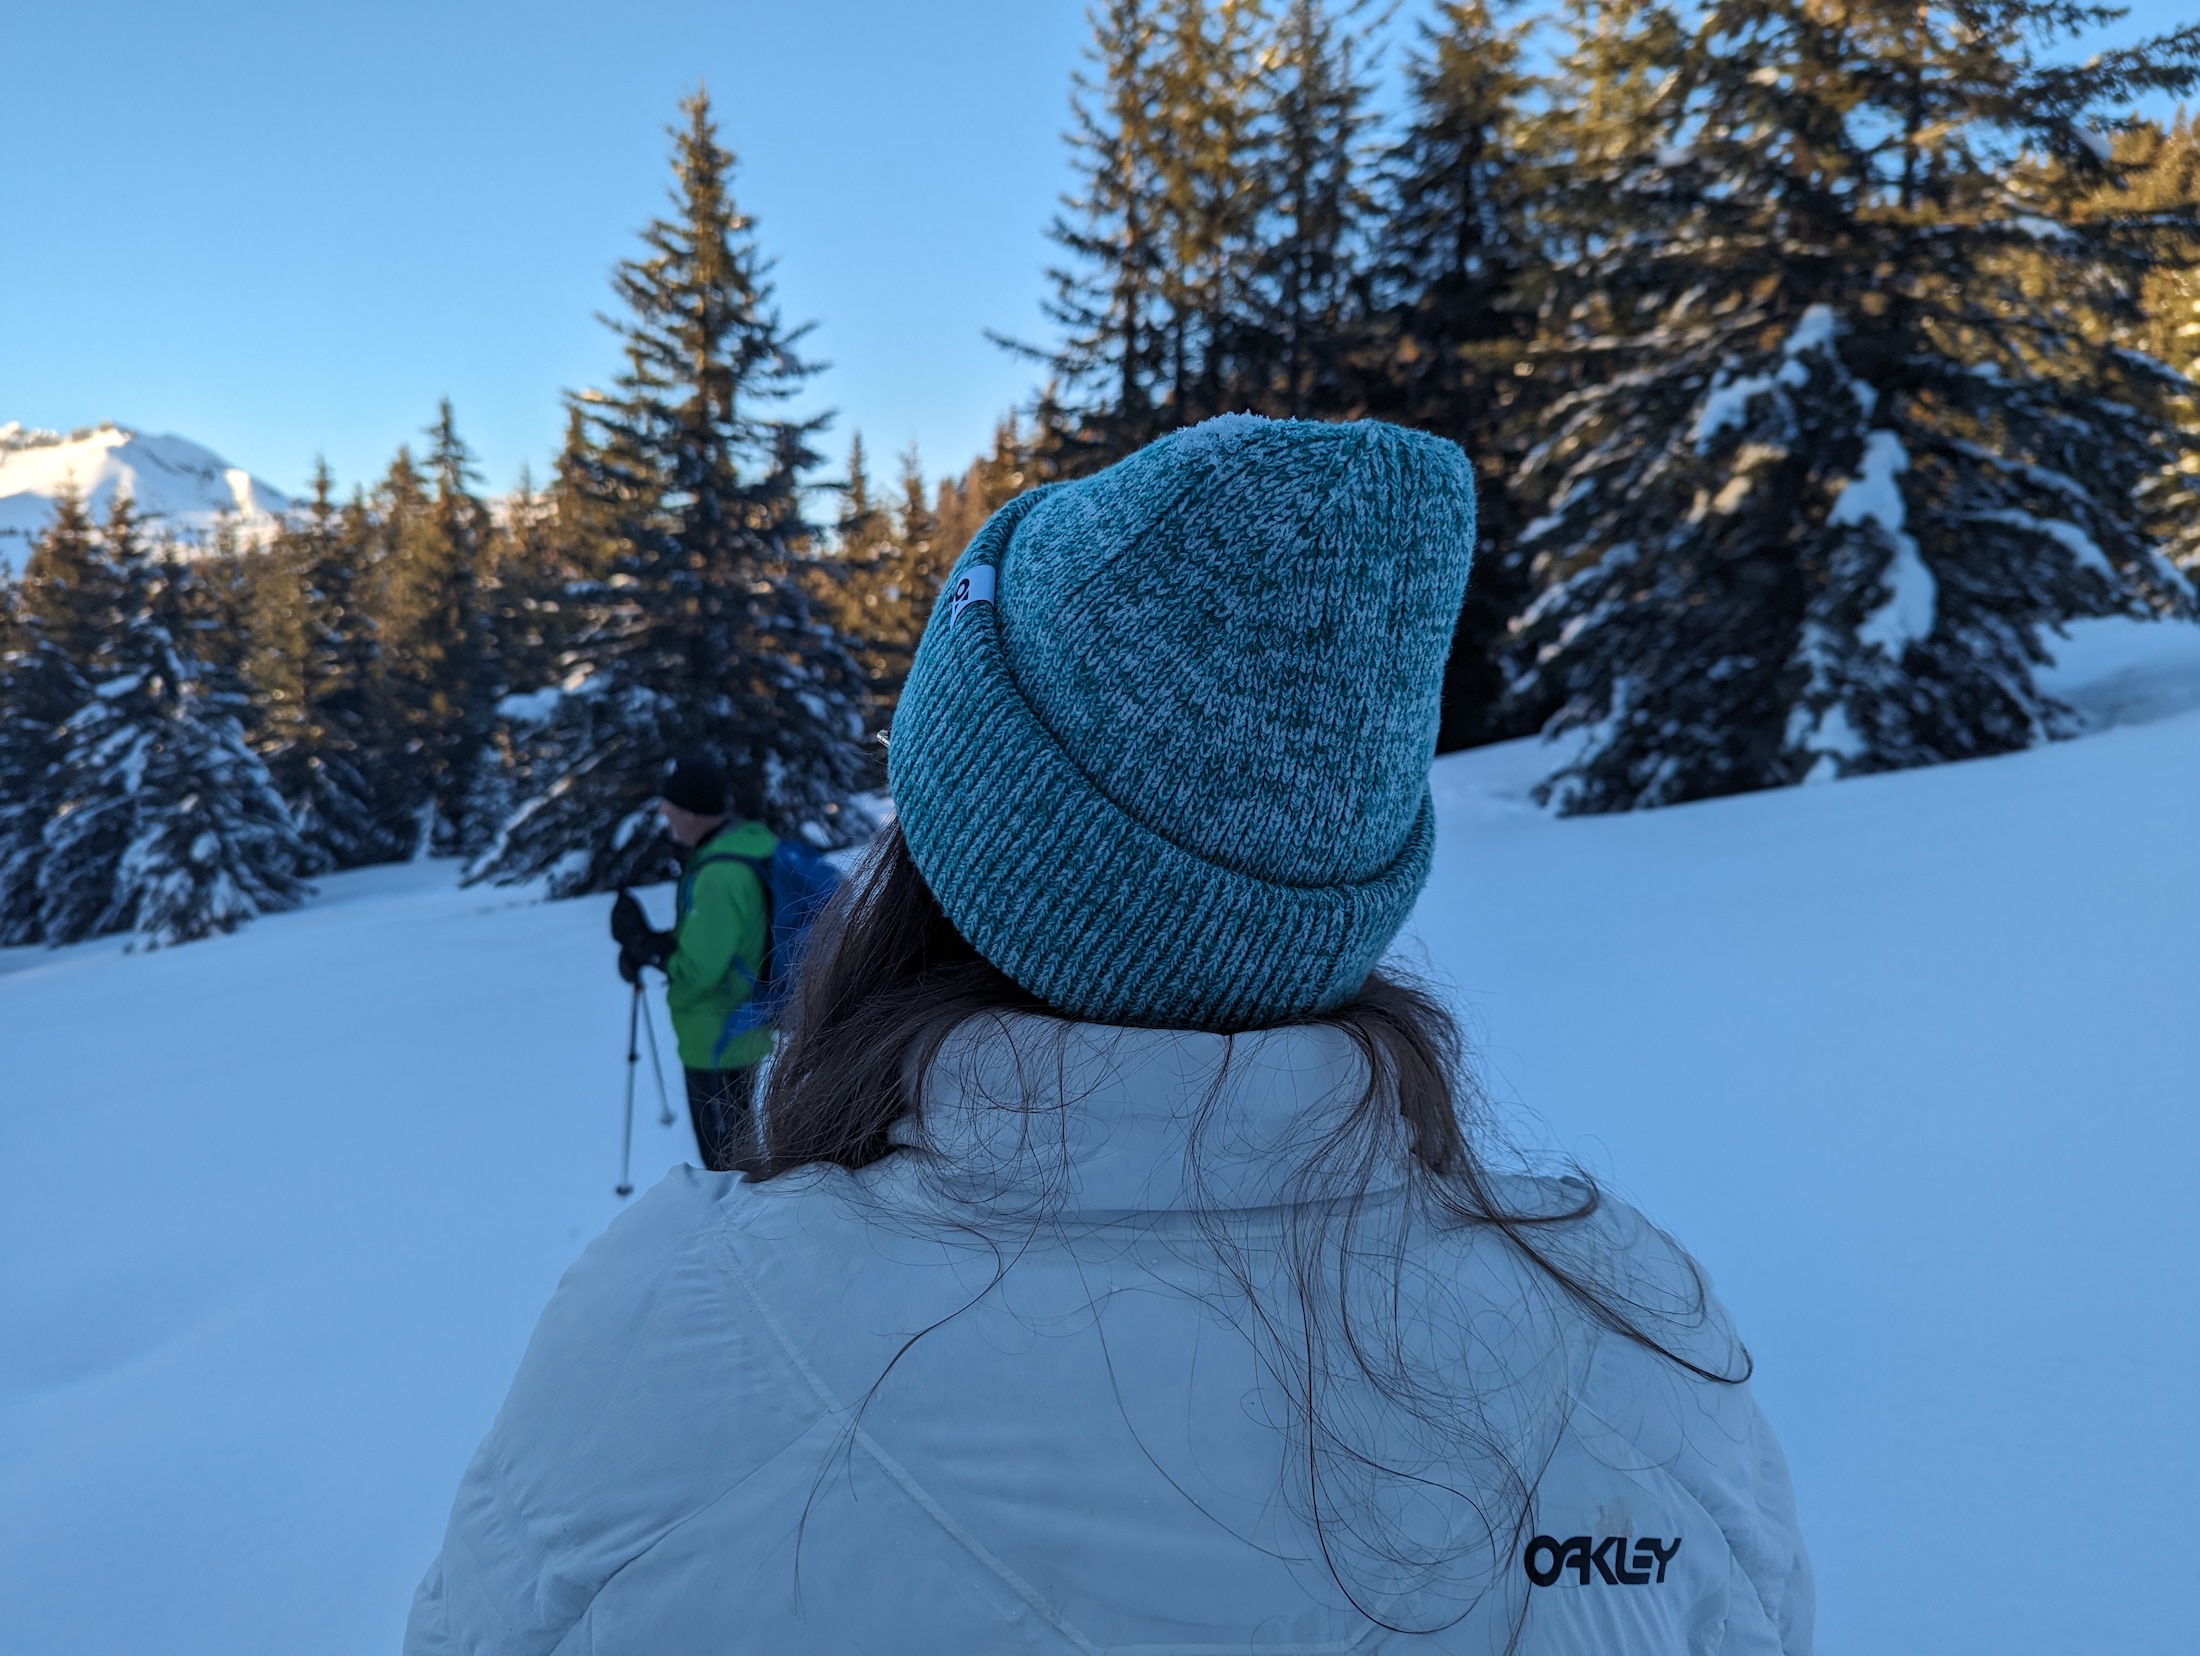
<point x="712" y="958"/>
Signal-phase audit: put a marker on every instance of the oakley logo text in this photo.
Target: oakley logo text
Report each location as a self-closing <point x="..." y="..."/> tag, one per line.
<point x="1548" y="1558"/>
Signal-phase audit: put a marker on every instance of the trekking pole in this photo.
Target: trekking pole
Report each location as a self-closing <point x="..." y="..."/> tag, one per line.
<point x="657" y="1063"/>
<point x="625" y="1186"/>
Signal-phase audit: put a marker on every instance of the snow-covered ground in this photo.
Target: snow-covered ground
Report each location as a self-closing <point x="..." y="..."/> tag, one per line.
<point x="1909" y="1061"/>
<point x="186" y="488"/>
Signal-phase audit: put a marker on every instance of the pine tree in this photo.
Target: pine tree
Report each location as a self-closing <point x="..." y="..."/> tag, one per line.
<point x="898" y="557"/>
<point x="434" y="602"/>
<point x="537" y="561"/>
<point x="164" y="822"/>
<point x="314" y="674"/>
<point x="1212" y="159"/>
<point x="861" y="523"/>
<point x="1312" y="191"/>
<point x="30" y="708"/>
<point x="551" y="567"/>
<point x="1444" y="349"/>
<point x="855" y="588"/>
<point x="470" y="797"/>
<point x="26" y="761"/>
<point x="398" y="570"/>
<point x="922" y="551"/>
<point x="215" y="625"/>
<point x="961" y="505"/>
<point x="553" y="557"/>
<point x="584" y="521"/>
<point x="1234" y="246"/>
<point x="272" y="605"/>
<point x="65" y="604"/>
<point x="1107" y="301"/>
<point x="2160" y="171"/>
<point x="1157" y="303"/>
<point x="1826" y="470"/>
<point x="70" y="587"/>
<point x="702" y="637"/>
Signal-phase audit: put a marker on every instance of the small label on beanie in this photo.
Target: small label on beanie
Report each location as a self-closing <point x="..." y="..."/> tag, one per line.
<point x="976" y="587"/>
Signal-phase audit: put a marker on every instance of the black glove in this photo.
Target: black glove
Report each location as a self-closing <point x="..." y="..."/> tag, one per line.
<point x="648" y="948"/>
<point x="627" y="920"/>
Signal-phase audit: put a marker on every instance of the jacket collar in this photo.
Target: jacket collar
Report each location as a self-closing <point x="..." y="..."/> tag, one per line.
<point x="695" y="852"/>
<point x="1037" y="1114"/>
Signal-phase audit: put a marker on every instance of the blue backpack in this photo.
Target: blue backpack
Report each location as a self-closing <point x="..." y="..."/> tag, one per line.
<point x="797" y="883"/>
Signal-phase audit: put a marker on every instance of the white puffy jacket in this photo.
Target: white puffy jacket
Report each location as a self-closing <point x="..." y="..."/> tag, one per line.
<point x="1040" y="1382"/>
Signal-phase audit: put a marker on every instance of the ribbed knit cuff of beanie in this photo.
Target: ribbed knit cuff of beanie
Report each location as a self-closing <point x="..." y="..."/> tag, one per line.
<point x="1163" y="753"/>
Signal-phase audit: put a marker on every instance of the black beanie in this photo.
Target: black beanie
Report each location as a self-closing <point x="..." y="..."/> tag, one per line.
<point x="695" y="783"/>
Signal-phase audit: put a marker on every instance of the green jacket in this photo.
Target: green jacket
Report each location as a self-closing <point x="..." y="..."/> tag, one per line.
<point x="718" y="950"/>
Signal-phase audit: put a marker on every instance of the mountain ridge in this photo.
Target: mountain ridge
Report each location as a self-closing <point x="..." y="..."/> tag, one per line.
<point x="185" y="488"/>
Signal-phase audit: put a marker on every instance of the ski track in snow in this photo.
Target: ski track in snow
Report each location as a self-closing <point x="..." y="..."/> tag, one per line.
<point x="1907" y="1061"/>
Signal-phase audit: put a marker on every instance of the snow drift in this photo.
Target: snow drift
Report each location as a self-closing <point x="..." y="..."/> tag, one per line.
<point x="1906" y="1060"/>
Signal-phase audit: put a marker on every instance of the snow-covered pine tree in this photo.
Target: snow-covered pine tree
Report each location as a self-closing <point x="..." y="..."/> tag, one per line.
<point x="35" y="689"/>
<point x="164" y="823"/>
<point x="1828" y="466"/>
<point x="1453" y="234"/>
<point x="702" y="638"/>
<point x="65" y="603"/>
<point x="22" y="764"/>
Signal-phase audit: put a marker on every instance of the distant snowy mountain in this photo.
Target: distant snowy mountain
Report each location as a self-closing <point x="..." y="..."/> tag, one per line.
<point x="186" y="487"/>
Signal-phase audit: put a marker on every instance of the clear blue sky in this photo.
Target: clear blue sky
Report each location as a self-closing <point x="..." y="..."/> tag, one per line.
<point x="286" y="230"/>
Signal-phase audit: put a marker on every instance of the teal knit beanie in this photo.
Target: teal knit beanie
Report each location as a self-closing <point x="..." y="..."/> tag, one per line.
<point x="1163" y="753"/>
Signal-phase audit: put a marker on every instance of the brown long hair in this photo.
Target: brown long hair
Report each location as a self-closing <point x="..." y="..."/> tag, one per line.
<point x="886" y="978"/>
